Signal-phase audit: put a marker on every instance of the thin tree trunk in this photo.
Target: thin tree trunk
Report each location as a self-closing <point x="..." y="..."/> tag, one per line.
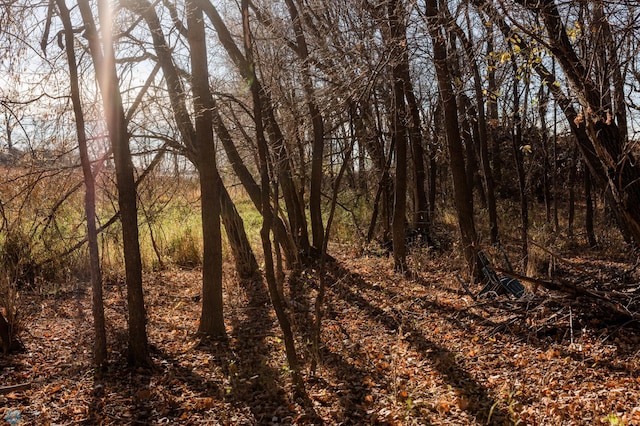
<point x="315" y="193"/>
<point x="492" y="107"/>
<point x="104" y="64"/>
<point x="519" y="160"/>
<point x="5" y="335"/>
<point x="554" y="169"/>
<point x="614" y="162"/>
<point x="100" y="337"/>
<point x="323" y="257"/>
<point x="252" y="187"/>
<point x="615" y="68"/>
<point x="243" y="254"/>
<point x="421" y="215"/>
<point x="591" y="236"/>
<point x="572" y="190"/>
<point x="433" y="175"/>
<point x="246" y="264"/>
<point x="278" y="306"/>
<point x="295" y="210"/>
<point x="212" y="316"/>
<point x="543" y="103"/>
<point x="483" y="137"/>
<point x="399" y="138"/>
<point x="462" y="192"/>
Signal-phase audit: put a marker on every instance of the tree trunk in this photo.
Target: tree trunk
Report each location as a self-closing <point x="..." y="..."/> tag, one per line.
<point x="5" y="335"/>
<point x="572" y="190"/>
<point x="554" y="169"/>
<point x="517" y="144"/>
<point x="267" y="223"/>
<point x="433" y="174"/>
<point x="607" y="156"/>
<point x="614" y="162"/>
<point x="546" y="191"/>
<point x="494" y="117"/>
<point x="212" y="316"/>
<point x="421" y="217"/>
<point x="591" y="236"/>
<point x="399" y="140"/>
<point x="462" y="192"/>
<point x="374" y="145"/>
<point x="104" y="65"/>
<point x="421" y="214"/>
<point x="317" y="152"/>
<point x="242" y="252"/>
<point x="295" y="210"/>
<point x="246" y="264"/>
<point x="100" y="337"/>
<point x="471" y="166"/>
<point x="252" y="187"/>
<point x="482" y="132"/>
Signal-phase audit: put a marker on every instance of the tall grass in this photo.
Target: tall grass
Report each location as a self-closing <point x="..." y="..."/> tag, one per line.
<point x="42" y="219"/>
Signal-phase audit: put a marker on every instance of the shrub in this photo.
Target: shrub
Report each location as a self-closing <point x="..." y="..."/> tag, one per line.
<point x="16" y="259"/>
<point x="184" y="250"/>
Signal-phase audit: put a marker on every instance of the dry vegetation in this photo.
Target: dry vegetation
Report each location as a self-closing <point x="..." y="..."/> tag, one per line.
<point x="396" y="351"/>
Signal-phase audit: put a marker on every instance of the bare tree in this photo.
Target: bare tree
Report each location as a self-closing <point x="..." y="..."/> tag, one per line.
<point x="610" y="159"/>
<point x="399" y="133"/>
<point x="100" y="339"/>
<point x="462" y="192"/>
<point x="212" y="318"/>
<point x="102" y="53"/>
<point x="267" y="224"/>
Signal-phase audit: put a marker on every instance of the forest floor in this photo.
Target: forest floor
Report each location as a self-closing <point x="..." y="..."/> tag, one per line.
<point x="395" y="351"/>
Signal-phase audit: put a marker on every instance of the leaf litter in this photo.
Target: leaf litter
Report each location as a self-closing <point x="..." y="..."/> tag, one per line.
<point x="395" y="350"/>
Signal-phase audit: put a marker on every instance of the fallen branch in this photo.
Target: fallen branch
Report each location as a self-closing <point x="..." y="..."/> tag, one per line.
<point x="549" y="285"/>
<point x="15" y="388"/>
<point x="575" y="290"/>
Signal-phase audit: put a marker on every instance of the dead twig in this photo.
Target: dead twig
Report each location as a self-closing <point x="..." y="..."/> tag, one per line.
<point x="570" y="288"/>
<point x="15" y="388"/>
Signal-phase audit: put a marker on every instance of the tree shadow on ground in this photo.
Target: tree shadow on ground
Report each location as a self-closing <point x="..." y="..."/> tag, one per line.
<point x="350" y="287"/>
<point x="351" y="387"/>
<point x="545" y="336"/>
<point x="253" y="381"/>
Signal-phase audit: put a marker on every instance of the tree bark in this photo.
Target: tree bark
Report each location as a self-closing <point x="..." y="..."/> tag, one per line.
<point x="614" y="162"/>
<point x="5" y="334"/>
<point x="483" y="134"/>
<point x="104" y="64"/>
<point x="295" y="211"/>
<point x="399" y="138"/>
<point x="241" y="249"/>
<point x="572" y="190"/>
<point x="591" y="236"/>
<point x="373" y="144"/>
<point x="212" y="316"/>
<point x="252" y="187"/>
<point x="100" y="337"/>
<point x="246" y="264"/>
<point x="462" y="192"/>
<point x="493" y="137"/>
<point x="317" y="122"/>
<point x="414" y="132"/>
<point x="516" y="141"/>
<point x="543" y="102"/>
<point x="283" y="318"/>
